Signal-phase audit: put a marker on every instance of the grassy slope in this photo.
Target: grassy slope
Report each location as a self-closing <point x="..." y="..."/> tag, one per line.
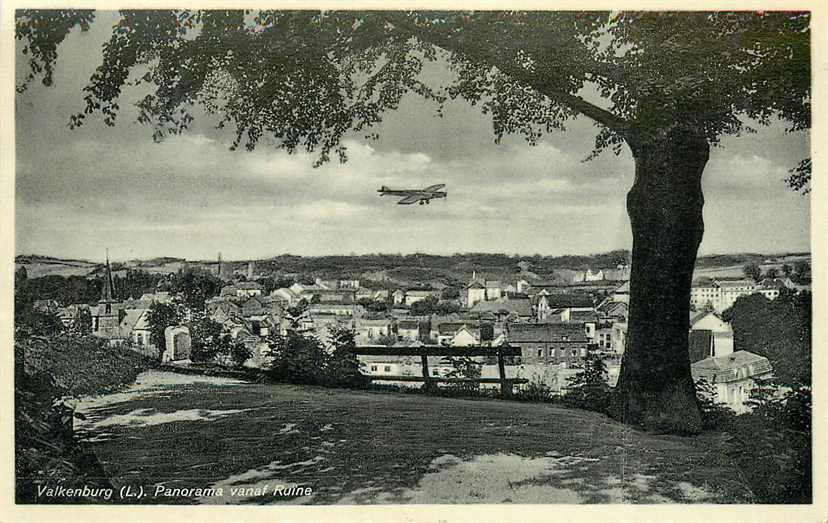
<point x="365" y="440"/>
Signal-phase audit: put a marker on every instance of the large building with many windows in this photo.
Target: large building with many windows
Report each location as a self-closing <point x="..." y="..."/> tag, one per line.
<point x="722" y="294"/>
<point x="549" y="343"/>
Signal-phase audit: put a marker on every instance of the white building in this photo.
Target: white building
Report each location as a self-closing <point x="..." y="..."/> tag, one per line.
<point x="733" y="375"/>
<point x="721" y="332"/>
<point x="722" y="294"/>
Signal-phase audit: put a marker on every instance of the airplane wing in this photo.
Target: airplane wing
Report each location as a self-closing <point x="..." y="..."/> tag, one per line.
<point x="434" y="187"/>
<point x="414" y="198"/>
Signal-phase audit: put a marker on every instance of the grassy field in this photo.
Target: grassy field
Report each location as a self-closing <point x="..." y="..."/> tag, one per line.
<point x="372" y="447"/>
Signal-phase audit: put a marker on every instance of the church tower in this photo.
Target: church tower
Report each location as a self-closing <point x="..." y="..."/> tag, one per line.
<point x="108" y="324"/>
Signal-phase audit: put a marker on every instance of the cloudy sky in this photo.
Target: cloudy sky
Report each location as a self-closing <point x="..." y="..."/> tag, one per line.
<point x="79" y="192"/>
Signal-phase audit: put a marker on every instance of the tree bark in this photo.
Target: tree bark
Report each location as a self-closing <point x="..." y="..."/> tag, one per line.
<point x="655" y="387"/>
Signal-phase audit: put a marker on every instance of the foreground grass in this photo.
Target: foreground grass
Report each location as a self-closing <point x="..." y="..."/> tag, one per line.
<point x="368" y="447"/>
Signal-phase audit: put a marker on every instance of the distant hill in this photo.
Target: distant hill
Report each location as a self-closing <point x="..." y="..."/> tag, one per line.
<point x="410" y="269"/>
<point x="37" y="266"/>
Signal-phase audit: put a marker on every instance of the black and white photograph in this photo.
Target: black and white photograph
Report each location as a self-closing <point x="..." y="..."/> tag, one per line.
<point x="412" y="257"/>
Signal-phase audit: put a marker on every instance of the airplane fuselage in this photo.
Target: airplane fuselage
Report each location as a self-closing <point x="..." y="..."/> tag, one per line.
<point x="406" y="192"/>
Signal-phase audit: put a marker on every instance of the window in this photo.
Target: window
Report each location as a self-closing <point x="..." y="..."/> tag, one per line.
<point x="566" y="338"/>
<point x="435" y="372"/>
<point x="574" y="352"/>
<point x="140" y="339"/>
<point x="540" y="353"/>
<point x="387" y="368"/>
<point x="373" y="368"/>
<point x="551" y="352"/>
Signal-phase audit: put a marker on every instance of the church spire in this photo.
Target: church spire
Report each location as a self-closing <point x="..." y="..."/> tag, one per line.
<point x="108" y="291"/>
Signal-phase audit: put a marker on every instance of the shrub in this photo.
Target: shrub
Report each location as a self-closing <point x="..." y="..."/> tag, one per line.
<point x="239" y="353"/>
<point x="297" y="358"/>
<point x="772" y="445"/>
<point x="714" y="415"/>
<point x="343" y="366"/>
<point x="81" y="366"/>
<point x="206" y="339"/>
<point x="465" y="368"/>
<point x="47" y="369"/>
<point x="536" y="390"/>
<point x="588" y="389"/>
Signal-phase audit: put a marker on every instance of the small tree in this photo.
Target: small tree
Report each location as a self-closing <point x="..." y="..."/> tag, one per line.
<point x="425" y="307"/>
<point x="239" y="353"/>
<point x="772" y="273"/>
<point x="298" y="356"/>
<point x="343" y="368"/>
<point x="714" y="414"/>
<point x="752" y="271"/>
<point x="159" y="317"/>
<point x="801" y="272"/>
<point x="196" y="286"/>
<point x="588" y="389"/>
<point x="206" y="336"/>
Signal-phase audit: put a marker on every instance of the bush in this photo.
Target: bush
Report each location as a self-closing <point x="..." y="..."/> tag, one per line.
<point x="206" y="337"/>
<point x="588" y="389"/>
<point x="343" y="366"/>
<point x="239" y="353"/>
<point x="463" y="367"/>
<point x="772" y="445"/>
<point x="46" y="370"/>
<point x="536" y="390"/>
<point x="297" y="358"/>
<point x="81" y="366"/>
<point x="714" y="415"/>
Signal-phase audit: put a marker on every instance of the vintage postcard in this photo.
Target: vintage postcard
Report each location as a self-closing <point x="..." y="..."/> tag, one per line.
<point x="412" y="264"/>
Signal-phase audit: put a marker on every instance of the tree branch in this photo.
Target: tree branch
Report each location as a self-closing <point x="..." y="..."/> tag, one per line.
<point x="479" y="54"/>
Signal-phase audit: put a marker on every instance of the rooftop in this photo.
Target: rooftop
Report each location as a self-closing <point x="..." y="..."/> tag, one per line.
<point x="731" y="367"/>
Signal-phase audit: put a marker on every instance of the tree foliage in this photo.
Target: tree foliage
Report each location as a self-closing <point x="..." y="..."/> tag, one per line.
<point x="433" y="305"/>
<point x="588" y="389"/>
<point x="159" y="317"/>
<point x="343" y="367"/>
<point x="195" y="286"/>
<point x="206" y="338"/>
<point x="772" y="444"/>
<point x="752" y="271"/>
<point x="305" y="79"/>
<point x="779" y="330"/>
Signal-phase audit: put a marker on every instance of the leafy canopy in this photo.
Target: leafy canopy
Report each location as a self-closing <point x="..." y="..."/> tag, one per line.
<point x="305" y="79"/>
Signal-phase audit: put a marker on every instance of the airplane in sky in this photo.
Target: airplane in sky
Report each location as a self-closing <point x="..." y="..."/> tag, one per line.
<point x="422" y="196"/>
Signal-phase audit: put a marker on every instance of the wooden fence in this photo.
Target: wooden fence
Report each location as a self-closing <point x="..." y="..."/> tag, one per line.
<point x="425" y="351"/>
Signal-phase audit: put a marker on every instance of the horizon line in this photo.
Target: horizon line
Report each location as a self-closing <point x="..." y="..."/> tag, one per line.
<point x="418" y="253"/>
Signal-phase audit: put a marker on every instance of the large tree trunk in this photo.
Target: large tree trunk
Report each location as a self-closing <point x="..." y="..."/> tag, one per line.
<point x="655" y="388"/>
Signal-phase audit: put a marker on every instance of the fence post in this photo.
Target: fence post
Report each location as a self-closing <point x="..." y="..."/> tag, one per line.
<point x="505" y="384"/>
<point x="426" y="377"/>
